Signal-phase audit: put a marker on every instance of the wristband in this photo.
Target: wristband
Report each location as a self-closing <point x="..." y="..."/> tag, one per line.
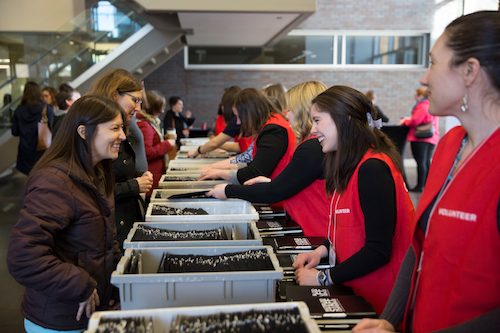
<point x="199" y="152"/>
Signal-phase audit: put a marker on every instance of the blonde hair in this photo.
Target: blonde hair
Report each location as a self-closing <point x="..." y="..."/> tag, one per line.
<point x="115" y="80"/>
<point x="276" y="90"/>
<point x="299" y="101"/>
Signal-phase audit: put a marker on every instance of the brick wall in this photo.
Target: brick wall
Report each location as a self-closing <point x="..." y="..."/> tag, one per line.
<point x="202" y="89"/>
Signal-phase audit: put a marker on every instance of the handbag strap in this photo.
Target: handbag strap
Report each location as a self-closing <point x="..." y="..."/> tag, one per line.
<point x="44" y="118"/>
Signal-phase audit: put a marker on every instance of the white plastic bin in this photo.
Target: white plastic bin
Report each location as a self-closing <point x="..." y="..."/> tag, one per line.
<point x="193" y="184"/>
<point x="149" y="289"/>
<point x="194" y="141"/>
<point x="163" y="194"/>
<point x="245" y="234"/>
<point x="224" y="211"/>
<point x="163" y="318"/>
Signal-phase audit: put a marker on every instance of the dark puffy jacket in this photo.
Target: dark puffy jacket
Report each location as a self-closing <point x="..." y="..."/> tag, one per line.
<point x="62" y="247"/>
<point x="129" y="204"/>
<point x="25" y="126"/>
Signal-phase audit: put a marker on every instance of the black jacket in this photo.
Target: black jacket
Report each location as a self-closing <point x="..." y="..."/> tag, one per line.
<point x="180" y="120"/>
<point x="128" y="203"/>
<point x="25" y="126"/>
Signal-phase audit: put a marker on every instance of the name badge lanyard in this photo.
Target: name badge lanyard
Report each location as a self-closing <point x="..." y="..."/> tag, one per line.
<point x="438" y="198"/>
<point x="332" y="254"/>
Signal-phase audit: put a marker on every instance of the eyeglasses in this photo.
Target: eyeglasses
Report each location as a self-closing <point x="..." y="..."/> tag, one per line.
<point x="136" y="100"/>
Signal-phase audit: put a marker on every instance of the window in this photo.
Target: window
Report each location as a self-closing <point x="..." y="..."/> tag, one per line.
<point x="319" y="48"/>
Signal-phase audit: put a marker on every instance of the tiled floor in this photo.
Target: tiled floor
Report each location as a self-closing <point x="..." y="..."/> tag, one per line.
<point x="11" y="293"/>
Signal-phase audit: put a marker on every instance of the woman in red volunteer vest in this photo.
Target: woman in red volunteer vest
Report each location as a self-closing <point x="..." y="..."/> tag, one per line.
<point x="301" y="183"/>
<point x="230" y="130"/>
<point x="273" y="136"/>
<point x="450" y="277"/>
<point x="370" y="209"/>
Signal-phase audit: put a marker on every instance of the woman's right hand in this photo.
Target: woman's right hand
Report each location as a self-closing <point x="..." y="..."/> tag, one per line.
<point x="373" y="326"/>
<point x="88" y="306"/>
<point x="311" y="258"/>
<point x="192" y="154"/>
<point x="145" y="181"/>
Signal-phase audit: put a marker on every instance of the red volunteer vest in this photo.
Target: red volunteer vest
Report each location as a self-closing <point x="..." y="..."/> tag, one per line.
<point x="309" y="208"/>
<point x="280" y="121"/>
<point x="460" y="275"/>
<point x="243" y="142"/>
<point x="220" y="124"/>
<point x="350" y="234"/>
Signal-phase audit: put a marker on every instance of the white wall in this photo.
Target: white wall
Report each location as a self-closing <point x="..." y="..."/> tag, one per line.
<point x="37" y="15"/>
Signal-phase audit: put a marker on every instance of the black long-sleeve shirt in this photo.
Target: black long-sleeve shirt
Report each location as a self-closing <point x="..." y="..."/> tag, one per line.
<point x="377" y="196"/>
<point x="305" y="167"/>
<point x="271" y="145"/>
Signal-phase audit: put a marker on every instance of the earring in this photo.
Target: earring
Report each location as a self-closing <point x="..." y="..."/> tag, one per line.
<point x="464" y="106"/>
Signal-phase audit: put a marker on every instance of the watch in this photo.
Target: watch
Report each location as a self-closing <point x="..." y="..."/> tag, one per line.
<point x="321" y="278"/>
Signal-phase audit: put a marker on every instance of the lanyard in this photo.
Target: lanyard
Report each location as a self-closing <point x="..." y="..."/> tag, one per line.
<point x="334" y="218"/>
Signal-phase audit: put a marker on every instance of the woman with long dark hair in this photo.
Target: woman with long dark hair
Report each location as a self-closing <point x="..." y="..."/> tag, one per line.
<point x="271" y="131"/>
<point x="25" y="126"/>
<point x="63" y="248"/>
<point x="370" y="209"/>
<point x="302" y="183"/>
<point x="450" y="278"/>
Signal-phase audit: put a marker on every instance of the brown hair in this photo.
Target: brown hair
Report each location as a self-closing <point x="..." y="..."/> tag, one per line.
<point x="118" y="80"/>
<point x="422" y="92"/>
<point x="32" y="94"/>
<point x="254" y="109"/>
<point x="156" y="102"/>
<point x="370" y="94"/>
<point x="348" y="109"/>
<point x="277" y="90"/>
<point x="477" y="35"/>
<point x="52" y="93"/>
<point x="70" y="147"/>
<point x="227" y="102"/>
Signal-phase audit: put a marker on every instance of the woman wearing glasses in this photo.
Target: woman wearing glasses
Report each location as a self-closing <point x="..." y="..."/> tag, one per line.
<point x="124" y="88"/>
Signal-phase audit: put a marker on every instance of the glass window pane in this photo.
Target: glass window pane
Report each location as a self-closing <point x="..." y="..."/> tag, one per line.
<point x="339" y="50"/>
<point x="290" y="50"/>
<point x="384" y="50"/>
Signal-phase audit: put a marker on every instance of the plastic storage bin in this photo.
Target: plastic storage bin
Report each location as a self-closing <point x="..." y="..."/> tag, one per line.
<point x="148" y="290"/>
<point x="193" y="184"/>
<point x="163" y="318"/>
<point x="245" y="234"/>
<point x="234" y="210"/>
<point x="163" y="194"/>
<point x="194" y="141"/>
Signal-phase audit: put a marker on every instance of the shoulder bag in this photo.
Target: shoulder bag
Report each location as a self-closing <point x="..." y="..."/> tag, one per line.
<point x="424" y="131"/>
<point x="44" y="133"/>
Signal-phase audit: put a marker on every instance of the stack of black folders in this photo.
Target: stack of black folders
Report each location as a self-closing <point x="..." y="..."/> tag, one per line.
<point x="278" y="227"/>
<point x="146" y="233"/>
<point x="134" y="265"/>
<point x="334" y="308"/>
<point x="267" y="212"/>
<point x="279" y="321"/>
<point x="297" y="244"/>
<point x="125" y="325"/>
<point x="251" y="260"/>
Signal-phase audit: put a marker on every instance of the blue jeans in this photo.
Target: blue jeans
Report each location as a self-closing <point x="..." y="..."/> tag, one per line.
<point x="31" y="327"/>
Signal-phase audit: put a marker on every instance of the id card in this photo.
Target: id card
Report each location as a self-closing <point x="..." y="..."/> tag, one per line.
<point x="332" y="256"/>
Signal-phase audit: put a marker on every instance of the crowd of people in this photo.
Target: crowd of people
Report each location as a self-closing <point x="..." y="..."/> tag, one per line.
<point x="317" y="151"/>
